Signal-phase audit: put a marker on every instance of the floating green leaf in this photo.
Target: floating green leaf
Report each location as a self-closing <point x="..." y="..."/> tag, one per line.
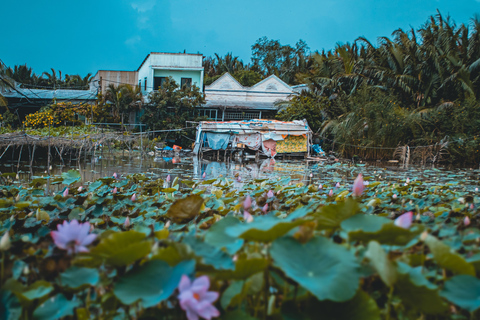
<point x="122" y="248"/>
<point x="151" y="282"/>
<point x="55" y="308"/>
<point x="76" y="277"/>
<point x="71" y="176"/>
<point x="464" y="291"/>
<point x="330" y="272"/>
<point x="263" y="228"/>
<point x="448" y="258"/>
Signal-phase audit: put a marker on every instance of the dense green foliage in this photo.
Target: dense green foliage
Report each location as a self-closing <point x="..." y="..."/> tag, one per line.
<point x="308" y="254"/>
<point x="170" y="107"/>
<point x="419" y="88"/>
<point x="120" y="101"/>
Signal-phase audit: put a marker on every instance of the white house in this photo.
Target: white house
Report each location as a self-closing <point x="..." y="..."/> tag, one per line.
<point x="184" y="68"/>
<point x="227" y="99"/>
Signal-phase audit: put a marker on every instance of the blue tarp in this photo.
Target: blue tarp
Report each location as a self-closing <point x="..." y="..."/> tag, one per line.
<point x="317" y="149"/>
<point x="218" y="141"/>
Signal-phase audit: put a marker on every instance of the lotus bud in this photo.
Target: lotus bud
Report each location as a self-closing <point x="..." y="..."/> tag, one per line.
<point x="17" y="177"/>
<point x="337" y="185"/>
<point x="114" y="190"/>
<point x="330" y="193"/>
<point x="476" y="189"/>
<point x="424" y="235"/>
<point x="65" y="193"/>
<point x="311" y="175"/>
<point x="247" y="216"/>
<point x="50" y="168"/>
<point x="134" y="197"/>
<point x="5" y="243"/>
<point x="168" y="178"/>
<point x="80" y="189"/>
<point x="408" y="180"/>
<point x="126" y="224"/>
<point x="417" y="217"/>
<point x="204" y="175"/>
<point x="394" y="196"/>
<point x="466" y="221"/>
<point x="472" y="206"/>
<point x="235" y="258"/>
<point x="155" y="248"/>
<point x="12" y="217"/>
<point x="270" y="194"/>
<point x="265" y="208"/>
<point x="358" y="186"/>
<point x="167" y="225"/>
<point x="405" y="220"/>
<point x="247" y="203"/>
<point x="26" y="270"/>
<point x="320" y="186"/>
<point x="239" y="179"/>
<point x="115" y="176"/>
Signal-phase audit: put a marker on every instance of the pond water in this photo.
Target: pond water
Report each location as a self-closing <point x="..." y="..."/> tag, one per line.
<point x="191" y="168"/>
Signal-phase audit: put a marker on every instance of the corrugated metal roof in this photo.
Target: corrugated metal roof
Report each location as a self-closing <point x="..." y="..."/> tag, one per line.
<point x="241" y="105"/>
<point x="256" y="126"/>
<point x="60" y="94"/>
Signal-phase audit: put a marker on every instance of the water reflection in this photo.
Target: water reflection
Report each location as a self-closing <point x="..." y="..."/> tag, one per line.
<point x="192" y="169"/>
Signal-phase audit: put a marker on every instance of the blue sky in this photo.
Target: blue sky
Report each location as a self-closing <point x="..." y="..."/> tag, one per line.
<point x="88" y="35"/>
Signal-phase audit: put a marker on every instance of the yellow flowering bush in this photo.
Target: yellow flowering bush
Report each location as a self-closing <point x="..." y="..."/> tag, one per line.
<point x="58" y="114"/>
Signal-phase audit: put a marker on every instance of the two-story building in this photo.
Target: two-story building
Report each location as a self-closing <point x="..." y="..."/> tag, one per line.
<point x="184" y="68"/>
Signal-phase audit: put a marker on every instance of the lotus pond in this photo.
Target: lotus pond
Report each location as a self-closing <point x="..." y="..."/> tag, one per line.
<point x="285" y="240"/>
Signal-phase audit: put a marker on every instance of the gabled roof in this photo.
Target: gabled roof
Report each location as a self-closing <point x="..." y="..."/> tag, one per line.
<point x="226" y="81"/>
<point x="271" y="80"/>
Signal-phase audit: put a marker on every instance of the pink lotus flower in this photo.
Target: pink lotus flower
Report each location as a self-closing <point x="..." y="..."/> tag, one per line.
<point x="311" y="175"/>
<point x="247" y="216"/>
<point x="466" y="221"/>
<point x="330" y="193"/>
<point x="358" y="186"/>
<point x="73" y="236"/>
<point x="405" y="220"/>
<point x="204" y="175"/>
<point x="408" y="180"/>
<point x="126" y="224"/>
<point x="472" y="206"/>
<point x="239" y="179"/>
<point x="114" y="190"/>
<point x="320" y="186"/>
<point x="65" y="193"/>
<point x="115" y="176"/>
<point x="394" y="196"/>
<point x="337" y="185"/>
<point x="476" y="189"/>
<point x="168" y="178"/>
<point x="247" y="203"/>
<point x="195" y="298"/>
<point x="80" y="189"/>
<point x="265" y="208"/>
<point x="270" y="194"/>
<point x="134" y="197"/>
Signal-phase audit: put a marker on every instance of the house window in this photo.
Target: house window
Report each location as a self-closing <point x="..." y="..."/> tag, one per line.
<point x="158" y="82"/>
<point x="140" y="83"/>
<point x="145" y="84"/>
<point x="186" y="82"/>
